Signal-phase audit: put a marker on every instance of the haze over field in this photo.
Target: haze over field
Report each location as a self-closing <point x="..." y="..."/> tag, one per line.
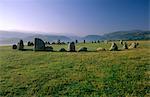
<point x="74" y="17"/>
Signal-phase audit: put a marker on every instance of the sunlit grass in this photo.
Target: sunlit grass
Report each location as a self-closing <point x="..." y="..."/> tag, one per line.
<point x="105" y="73"/>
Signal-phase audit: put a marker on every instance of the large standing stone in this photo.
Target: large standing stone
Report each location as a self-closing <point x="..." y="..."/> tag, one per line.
<point x="113" y="47"/>
<point x="39" y="44"/>
<point x="125" y="45"/>
<point x="71" y="47"/>
<point x="133" y="45"/>
<point x="20" y="45"/>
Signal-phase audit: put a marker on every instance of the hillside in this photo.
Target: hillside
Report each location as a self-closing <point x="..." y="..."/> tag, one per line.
<point x="93" y="37"/>
<point x="128" y="35"/>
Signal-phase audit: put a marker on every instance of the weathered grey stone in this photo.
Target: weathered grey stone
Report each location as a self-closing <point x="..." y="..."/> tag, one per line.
<point x="133" y="45"/>
<point x="137" y="44"/>
<point x="14" y="46"/>
<point x="76" y="41"/>
<point x="82" y="49"/>
<point x="39" y="44"/>
<point x="53" y="43"/>
<point x="58" y="42"/>
<point x="84" y="41"/>
<point x="30" y="43"/>
<point x="125" y="45"/>
<point x="71" y="47"/>
<point x="20" y="45"/>
<point x="100" y="49"/>
<point x="113" y="47"/>
<point x="62" y="50"/>
<point x="121" y="42"/>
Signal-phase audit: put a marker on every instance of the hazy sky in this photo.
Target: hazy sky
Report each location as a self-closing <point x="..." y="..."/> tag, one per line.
<point x="78" y="17"/>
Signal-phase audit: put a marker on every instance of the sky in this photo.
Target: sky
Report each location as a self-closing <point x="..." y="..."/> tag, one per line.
<point x="74" y="17"/>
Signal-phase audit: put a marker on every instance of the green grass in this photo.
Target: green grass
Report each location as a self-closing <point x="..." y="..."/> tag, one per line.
<point x="83" y="74"/>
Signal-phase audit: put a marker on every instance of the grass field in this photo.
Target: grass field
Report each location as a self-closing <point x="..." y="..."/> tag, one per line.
<point x="76" y="74"/>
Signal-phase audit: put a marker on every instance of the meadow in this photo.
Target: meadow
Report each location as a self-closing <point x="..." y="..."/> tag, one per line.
<point x="124" y="73"/>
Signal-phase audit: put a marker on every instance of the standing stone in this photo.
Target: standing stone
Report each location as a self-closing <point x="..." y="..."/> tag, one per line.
<point x="84" y="41"/>
<point x="29" y="43"/>
<point x="121" y="42"/>
<point x="62" y="50"/>
<point x="76" y="41"/>
<point x="82" y="49"/>
<point x="137" y="44"/>
<point x="48" y="43"/>
<point x="58" y="42"/>
<point x="14" y="46"/>
<point x="20" y="45"/>
<point x="53" y="43"/>
<point x="113" y="47"/>
<point x="125" y="46"/>
<point x="71" y="47"/>
<point x="133" y="45"/>
<point x="39" y="44"/>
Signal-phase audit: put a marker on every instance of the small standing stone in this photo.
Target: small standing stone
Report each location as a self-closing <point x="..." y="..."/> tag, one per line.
<point x="121" y="42"/>
<point x="14" y="46"/>
<point x="20" y="45"/>
<point x="84" y="41"/>
<point x="125" y="46"/>
<point x="113" y="47"/>
<point x="71" y="47"/>
<point x="133" y="45"/>
<point x="76" y="41"/>
<point x="82" y="49"/>
<point x="62" y="50"/>
<point x="58" y="42"/>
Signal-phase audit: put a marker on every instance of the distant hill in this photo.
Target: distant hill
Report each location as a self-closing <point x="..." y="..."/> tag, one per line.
<point x="48" y="38"/>
<point x="13" y="34"/>
<point x="93" y="37"/>
<point x="120" y="35"/>
<point x="128" y="35"/>
<point x="11" y="37"/>
<point x="8" y="37"/>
